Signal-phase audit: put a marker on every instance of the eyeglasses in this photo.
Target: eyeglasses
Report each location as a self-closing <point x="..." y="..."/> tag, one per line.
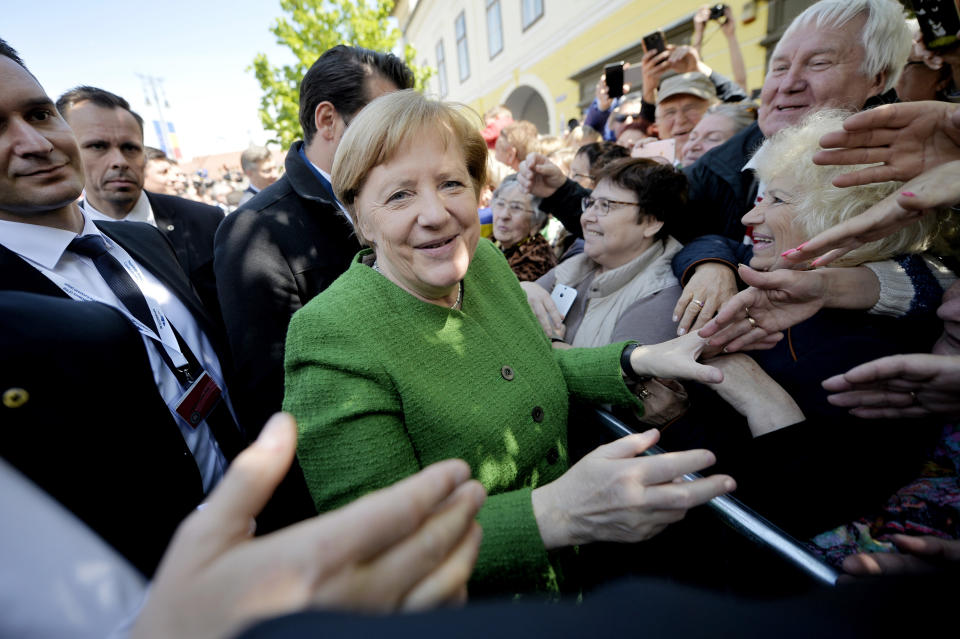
<point x="515" y="208"/>
<point x="580" y="176"/>
<point x="603" y="205"/>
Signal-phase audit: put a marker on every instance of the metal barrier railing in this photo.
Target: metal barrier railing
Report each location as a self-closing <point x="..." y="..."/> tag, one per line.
<point x="743" y="519"/>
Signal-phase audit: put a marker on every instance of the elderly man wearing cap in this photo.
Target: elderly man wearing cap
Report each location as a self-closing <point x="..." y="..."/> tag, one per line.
<point x="681" y="101"/>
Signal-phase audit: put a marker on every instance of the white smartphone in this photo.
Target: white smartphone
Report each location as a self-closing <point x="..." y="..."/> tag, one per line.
<point x="563" y="297"/>
<point x="664" y="150"/>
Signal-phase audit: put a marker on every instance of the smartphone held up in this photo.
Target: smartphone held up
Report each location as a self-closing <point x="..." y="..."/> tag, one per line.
<point x="939" y="22"/>
<point x="618" y="74"/>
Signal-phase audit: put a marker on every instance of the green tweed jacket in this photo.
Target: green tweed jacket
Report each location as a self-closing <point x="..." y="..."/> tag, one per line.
<point x="383" y="384"/>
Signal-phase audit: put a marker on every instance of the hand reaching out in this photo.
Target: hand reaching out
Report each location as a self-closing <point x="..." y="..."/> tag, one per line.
<point x="917" y="555"/>
<point x="938" y="187"/>
<point x="409" y="546"/>
<point x="907" y="139"/>
<point x="675" y="359"/>
<point x="611" y="494"/>
<point x="900" y="386"/>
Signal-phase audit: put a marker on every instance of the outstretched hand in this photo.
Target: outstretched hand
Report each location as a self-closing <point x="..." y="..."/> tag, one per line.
<point x="913" y="385"/>
<point x="917" y="555"/>
<point x="938" y="187"/>
<point x="775" y="301"/>
<point x="409" y="546"/>
<point x="611" y="494"/>
<point x="675" y="359"/>
<point x="906" y="139"/>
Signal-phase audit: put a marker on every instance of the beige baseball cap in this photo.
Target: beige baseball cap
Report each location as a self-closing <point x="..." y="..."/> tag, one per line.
<point x="691" y="83"/>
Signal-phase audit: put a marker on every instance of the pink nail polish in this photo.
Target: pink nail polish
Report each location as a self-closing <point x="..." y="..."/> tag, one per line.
<point x="908" y="194"/>
<point x="788" y="252"/>
<point x="802" y="245"/>
<point x="816" y="262"/>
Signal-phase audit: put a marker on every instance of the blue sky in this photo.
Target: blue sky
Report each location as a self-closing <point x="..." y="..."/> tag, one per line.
<point x="201" y="50"/>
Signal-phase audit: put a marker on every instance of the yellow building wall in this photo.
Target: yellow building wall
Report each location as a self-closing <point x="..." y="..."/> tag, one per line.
<point x="623" y="28"/>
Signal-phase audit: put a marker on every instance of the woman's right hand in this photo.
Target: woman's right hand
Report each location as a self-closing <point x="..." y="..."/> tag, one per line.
<point x="613" y="495"/>
<point x="545" y="309"/>
<point x="709" y="288"/>
<point x="675" y="359"/>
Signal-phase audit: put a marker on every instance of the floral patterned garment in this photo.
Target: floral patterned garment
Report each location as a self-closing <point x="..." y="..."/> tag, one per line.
<point x="930" y="505"/>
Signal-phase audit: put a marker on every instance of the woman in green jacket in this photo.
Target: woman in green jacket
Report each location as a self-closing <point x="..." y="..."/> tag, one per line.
<point x="426" y="349"/>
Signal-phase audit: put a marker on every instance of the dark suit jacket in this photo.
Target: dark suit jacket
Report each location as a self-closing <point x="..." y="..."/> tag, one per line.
<point x="272" y="256"/>
<point x="190" y="226"/>
<point x="95" y="432"/>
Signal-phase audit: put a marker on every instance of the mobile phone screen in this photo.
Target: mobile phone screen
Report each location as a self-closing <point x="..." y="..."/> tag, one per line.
<point x="613" y="76"/>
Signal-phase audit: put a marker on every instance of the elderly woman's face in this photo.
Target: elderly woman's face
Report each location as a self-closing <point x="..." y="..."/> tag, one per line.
<point x="711" y="131"/>
<point x="621" y="235"/>
<point x="773" y="229"/>
<point x="419" y="211"/>
<point x="512" y="215"/>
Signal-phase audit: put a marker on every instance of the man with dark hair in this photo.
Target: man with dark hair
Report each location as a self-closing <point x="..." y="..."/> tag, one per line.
<point x="293" y="239"/>
<point x="106" y="418"/>
<point x="161" y="174"/>
<point x="110" y="135"/>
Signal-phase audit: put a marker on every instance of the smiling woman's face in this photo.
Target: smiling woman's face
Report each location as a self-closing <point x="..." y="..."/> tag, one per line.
<point x="419" y="212"/>
<point x="773" y="225"/>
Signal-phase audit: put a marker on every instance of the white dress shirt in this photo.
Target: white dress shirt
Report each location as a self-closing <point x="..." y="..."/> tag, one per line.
<point x="45" y="248"/>
<point x="141" y="211"/>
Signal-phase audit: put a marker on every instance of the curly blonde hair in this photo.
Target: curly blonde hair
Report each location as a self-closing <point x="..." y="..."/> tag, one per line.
<point x="820" y="205"/>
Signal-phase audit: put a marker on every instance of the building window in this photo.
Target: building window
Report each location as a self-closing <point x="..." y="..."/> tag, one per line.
<point x="494" y="28"/>
<point x="532" y="10"/>
<point x="463" y="56"/>
<point x="441" y="70"/>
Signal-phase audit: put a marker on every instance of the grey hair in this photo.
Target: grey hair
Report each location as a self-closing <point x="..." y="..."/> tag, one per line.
<point x="252" y="156"/>
<point x="538" y="216"/>
<point x="885" y="38"/>
<point x="742" y="114"/>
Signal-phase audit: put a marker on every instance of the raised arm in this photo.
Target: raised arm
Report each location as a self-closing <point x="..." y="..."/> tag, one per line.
<point x="906" y="139"/>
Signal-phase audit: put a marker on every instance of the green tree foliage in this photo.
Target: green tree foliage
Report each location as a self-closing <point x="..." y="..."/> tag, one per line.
<point x="309" y="28"/>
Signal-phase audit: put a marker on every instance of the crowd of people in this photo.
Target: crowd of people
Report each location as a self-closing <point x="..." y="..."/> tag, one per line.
<point x="367" y="384"/>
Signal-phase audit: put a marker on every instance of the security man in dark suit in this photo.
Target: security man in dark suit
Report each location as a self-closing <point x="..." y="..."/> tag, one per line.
<point x="292" y="240"/>
<point x="123" y="413"/>
<point x="111" y="148"/>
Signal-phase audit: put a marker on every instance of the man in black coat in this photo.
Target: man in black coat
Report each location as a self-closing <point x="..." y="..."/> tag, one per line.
<point x="110" y="135"/>
<point x="292" y="240"/>
<point x="91" y="410"/>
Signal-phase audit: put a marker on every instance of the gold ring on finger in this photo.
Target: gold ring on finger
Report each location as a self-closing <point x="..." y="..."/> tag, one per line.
<point x="698" y="303"/>
<point x="753" y="322"/>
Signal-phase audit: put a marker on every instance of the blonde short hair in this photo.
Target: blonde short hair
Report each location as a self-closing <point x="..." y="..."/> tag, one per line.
<point x="522" y="136"/>
<point x="387" y="126"/>
<point x="819" y="205"/>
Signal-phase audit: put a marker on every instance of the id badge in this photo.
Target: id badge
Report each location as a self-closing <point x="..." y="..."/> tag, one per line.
<point x="199" y="400"/>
